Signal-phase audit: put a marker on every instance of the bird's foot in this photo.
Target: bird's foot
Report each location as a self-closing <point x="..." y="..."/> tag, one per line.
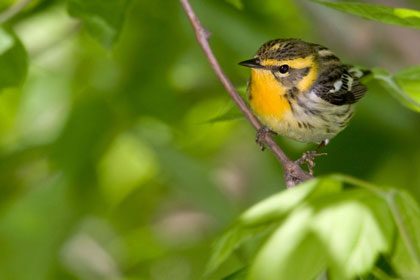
<point x="308" y="158"/>
<point x="260" y="138"/>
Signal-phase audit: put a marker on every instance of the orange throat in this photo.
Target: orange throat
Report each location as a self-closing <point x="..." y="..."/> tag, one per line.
<point x="267" y="96"/>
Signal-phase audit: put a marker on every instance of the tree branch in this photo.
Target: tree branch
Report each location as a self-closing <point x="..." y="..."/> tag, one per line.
<point x="14" y="10"/>
<point x="293" y="174"/>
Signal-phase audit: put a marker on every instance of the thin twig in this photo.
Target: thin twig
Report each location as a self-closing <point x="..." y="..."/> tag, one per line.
<point x="14" y="10"/>
<point x="293" y="174"/>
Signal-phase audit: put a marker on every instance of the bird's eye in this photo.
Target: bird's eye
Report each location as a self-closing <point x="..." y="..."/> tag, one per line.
<point x="284" y="68"/>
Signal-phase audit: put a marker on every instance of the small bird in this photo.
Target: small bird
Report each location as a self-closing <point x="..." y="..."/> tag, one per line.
<point x="303" y="91"/>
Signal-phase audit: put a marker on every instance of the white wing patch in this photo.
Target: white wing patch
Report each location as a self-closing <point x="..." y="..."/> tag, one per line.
<point x="337" y="86"/>
<point x="345" y="83"/>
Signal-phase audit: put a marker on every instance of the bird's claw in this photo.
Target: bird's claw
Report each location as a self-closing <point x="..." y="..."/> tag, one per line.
<point x="260" y="138"/>
<point x="308" y="158"/>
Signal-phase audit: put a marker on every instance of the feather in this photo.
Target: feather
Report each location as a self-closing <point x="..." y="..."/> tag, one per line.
<point x="337" y="86"/>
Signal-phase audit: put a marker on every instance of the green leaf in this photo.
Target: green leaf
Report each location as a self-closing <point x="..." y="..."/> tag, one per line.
<point x="232" y="239"/>
<point x="263" y="218"/>
<point x="231" y="113"/>
<point x="243" y="92"/>
<point x="389" y="15"/>
<point x="319" y="226"/>
<point x="292" y="252"/>
<point x="196" y="184"/>
<point x="355" y="227"/>
<point x="103" y="19"/>
<point x="236" y="3"/>
<point x="227" y="116"/>
<point x="402" y="86"/>
<point x="406" y="214"/>
<point x="345" y="232"/>
<point x="24" y="226"/>
<point x="240" y="274"/>
<point x="409" y="81"/>
<point x="409" y="75"/>
<point x="402" y="262"/>
<point x="280" y="204"/>
<point x="13" y="60"/>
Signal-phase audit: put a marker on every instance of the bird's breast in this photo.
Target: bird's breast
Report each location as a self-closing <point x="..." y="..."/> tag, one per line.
<point x="267" y="96"/>
<point x="304" y="117"/>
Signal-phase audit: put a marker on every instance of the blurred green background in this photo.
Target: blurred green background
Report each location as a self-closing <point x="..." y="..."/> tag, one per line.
<point x="110" y="164"/>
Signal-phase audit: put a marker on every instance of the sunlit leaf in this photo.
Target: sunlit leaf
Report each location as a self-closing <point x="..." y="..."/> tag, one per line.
<point x="292" y="252"/>
<point x="409" y="81"/>
<point x="355" y="227"/>
<point x="13" y="60"/>
<point x="401" y="86"/>
<point x="280" y="204"/>
<point x="315" y="228"/>
<point x="127" y="163"/>
<point x="103" y="19"/>
<point x="345" y="232"/>
<point x="389" y="15"/>
<point x="406" y="214"/>
<point x="262" y="218"/>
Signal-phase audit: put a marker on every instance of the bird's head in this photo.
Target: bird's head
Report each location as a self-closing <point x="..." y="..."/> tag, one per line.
<point x="291" y="61"/>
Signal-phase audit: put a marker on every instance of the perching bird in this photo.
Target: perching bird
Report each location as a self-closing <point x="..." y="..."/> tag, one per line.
<point x="302" y="90"/>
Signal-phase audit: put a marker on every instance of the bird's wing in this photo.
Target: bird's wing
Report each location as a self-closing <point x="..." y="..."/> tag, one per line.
<point x="338" y="86"/>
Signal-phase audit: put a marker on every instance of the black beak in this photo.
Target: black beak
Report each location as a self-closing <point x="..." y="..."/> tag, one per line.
<point x="253" y="63"/>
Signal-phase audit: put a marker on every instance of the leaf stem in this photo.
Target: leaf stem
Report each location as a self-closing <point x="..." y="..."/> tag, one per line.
<point x="366" y="185"/>
<point x="293" y="174"/>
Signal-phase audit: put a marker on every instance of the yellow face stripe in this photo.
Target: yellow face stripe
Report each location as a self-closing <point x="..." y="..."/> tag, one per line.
<point x="301" y="62"/>
<point x="307" y="81"/>
<point x="298" y="63"/>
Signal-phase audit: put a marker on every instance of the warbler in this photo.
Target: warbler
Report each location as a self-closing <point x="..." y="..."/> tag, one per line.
<point x="302" y="90"/>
